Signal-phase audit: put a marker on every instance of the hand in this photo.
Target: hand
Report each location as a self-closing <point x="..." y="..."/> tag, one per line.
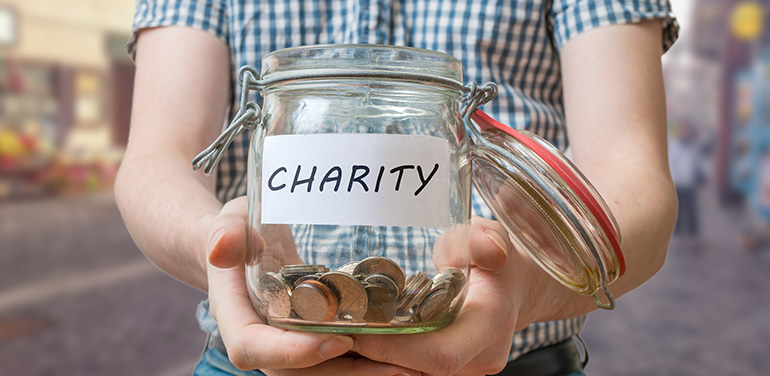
<point x="479" y="340"/>
<point x="250" y="343"/>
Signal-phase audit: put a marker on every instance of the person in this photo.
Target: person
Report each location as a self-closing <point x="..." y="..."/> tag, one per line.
<point x="584" y="71"/>
<point x="689" y="173"/>
<point x="756" y="206"/>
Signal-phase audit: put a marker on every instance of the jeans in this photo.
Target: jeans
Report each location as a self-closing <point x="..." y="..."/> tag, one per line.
<point x="214" y="363"/>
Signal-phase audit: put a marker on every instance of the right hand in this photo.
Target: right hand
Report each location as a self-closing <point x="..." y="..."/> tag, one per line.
<point x="250" y="343"/>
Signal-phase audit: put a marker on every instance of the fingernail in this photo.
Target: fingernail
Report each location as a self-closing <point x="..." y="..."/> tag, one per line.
<point x="495" y="237"/>
<point x="335" y="347"/>
<point x="217" y="235"/>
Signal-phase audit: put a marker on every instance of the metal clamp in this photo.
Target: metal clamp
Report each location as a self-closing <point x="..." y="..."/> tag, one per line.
<point x="475" y="97"/>
<point x="248" y="115"/>
<point x="610" y="305"/>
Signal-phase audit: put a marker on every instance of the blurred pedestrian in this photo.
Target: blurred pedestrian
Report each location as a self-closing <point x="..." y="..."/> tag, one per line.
<point x="756" y="235"/>
<point x="687" y="163"/>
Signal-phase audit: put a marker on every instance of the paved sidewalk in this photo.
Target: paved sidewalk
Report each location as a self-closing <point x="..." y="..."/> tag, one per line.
<point x="707" y="312"/>
<point x="77" y="298"/>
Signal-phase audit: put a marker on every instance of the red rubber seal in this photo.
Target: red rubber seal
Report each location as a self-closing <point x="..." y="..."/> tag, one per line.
<point x="485" y="122"/>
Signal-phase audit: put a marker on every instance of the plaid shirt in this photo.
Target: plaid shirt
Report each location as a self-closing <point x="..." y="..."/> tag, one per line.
<point x="513" y="43"/>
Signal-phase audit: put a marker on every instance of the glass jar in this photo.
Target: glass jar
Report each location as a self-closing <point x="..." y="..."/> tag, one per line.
<point x="359" y="186"/>
<point x="354" y="181"/>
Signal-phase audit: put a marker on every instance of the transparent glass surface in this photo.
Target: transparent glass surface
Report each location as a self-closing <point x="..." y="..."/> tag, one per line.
<point x="609" y="256"/>
<point x="541" y="214"/>
<point x="351" y="277"/>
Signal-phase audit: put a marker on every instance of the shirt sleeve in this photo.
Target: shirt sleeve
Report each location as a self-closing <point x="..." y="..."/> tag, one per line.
<point x="571" y="17"/>
<point x="207" y="15"/>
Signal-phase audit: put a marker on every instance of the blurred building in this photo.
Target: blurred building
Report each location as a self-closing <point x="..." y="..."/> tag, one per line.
<point x="65" y="93"/>
<point x="719" y="80"/>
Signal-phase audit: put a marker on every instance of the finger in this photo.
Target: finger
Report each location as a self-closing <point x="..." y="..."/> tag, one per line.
<point x="449" y="350"/>
<point x="250" y="343"/>
<point x="227" y="236"/>
<point x="487" y="319"/>
<point x="489" y="244"/>
<point x="451" y="248"/>
<point x="443" y="352"/>
<point x="345" y="366"/>
<point x="492" y="360"/>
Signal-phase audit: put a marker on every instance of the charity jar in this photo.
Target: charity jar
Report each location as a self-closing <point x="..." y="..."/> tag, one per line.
<point x="359" y="190"/>
<point x="360" y="171"/>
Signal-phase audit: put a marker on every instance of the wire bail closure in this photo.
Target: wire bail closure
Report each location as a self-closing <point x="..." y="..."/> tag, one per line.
<point x="247" y="117"/>
<point x="249" y="113"/>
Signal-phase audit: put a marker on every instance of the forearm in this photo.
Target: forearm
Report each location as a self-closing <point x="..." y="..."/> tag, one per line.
<point x="180" y="96"/>
<point x="643" y="201"/>
<point x="616" y="122"/>
<point x="645" y="214"/>
<point x="167" y="223"/>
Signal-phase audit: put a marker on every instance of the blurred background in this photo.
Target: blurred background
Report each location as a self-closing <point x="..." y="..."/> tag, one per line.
<point x="78" y="298"/>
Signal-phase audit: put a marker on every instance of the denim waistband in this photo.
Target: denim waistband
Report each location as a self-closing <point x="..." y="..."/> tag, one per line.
<point x="561" y="359"/>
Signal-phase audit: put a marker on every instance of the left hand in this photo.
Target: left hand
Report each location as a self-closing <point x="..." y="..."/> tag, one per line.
<point x="250" y="343"/>
<point x="479" y="340"/>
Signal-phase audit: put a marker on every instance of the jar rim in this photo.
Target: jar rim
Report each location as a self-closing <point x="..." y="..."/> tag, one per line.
<point x="357" y="58"/>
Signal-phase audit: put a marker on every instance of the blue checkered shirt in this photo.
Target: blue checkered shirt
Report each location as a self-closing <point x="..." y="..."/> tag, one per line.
<point x="513" y="43"/>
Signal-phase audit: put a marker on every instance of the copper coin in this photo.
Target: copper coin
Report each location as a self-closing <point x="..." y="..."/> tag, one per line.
<point x="353" y="301"/>
<point x="314" y="301"/>
<point x="276" y="294"/>
<point x="382" y="293"/>
<point x="304" y="278"/>
<point x="380" y="265"/>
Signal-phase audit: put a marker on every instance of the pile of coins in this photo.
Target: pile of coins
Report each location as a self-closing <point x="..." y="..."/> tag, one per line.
<point x="374" y="290"/>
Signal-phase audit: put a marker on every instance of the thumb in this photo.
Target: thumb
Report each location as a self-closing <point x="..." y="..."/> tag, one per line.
<point x="227" y="235"/>
<point x="489" y="243"/>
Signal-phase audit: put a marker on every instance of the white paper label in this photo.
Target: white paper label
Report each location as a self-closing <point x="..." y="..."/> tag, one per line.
<point x="356" y="179"/>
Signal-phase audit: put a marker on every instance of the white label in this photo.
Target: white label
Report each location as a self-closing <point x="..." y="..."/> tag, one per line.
<point x="356" y="179"/>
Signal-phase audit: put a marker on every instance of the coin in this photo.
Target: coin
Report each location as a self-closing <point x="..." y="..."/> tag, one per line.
<point x="276" y="294"/>
<point x="314" y="301"/>
<point x="303" y="269"/>
<point x="417" y="286"/>
<point x="435" y="305"/>
<point x="458" y="281"/>
<point x="291" y="273"/>
<point x="306" y="278"/>
<point x="353" y="301"/>
<point x="348" y="268"/>
<point x="382" y="293"/>
<point x="453" y="277"/>
<point x="380" y="265"/>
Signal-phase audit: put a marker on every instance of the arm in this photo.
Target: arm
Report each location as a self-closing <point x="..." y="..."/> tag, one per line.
<point x="180" y="96"/>
<point x="616" y="122"/>
<point x="173" y="215"/>
<point x="616" y="114"/>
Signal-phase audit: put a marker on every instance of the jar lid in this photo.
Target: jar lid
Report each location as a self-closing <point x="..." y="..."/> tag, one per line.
<point x="361" y="61"/>
<point x="548" y="207"/>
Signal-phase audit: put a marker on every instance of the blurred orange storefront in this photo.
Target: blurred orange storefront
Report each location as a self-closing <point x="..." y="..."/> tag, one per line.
<point x="65" y="95"/>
